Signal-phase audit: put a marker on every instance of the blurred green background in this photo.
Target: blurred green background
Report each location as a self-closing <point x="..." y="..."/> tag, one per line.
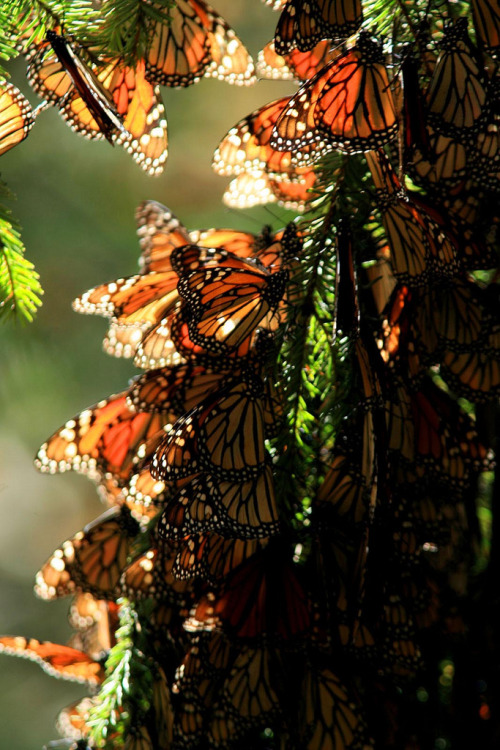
<point x="76" y="202"/>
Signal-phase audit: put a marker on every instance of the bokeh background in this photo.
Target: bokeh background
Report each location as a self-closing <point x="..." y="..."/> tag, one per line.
<point x="76" y="202"/>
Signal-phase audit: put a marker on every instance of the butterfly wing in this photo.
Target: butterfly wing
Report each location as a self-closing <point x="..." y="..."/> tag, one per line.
<point x="16" y="117"/>
<point x="91" y="561"/>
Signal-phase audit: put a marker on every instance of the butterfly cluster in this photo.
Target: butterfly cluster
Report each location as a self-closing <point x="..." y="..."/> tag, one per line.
<point x="100" y="96"/>
<point x="290" y="482"/>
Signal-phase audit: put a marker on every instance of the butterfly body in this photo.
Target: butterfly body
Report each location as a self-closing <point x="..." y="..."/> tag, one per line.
<point x="94" y="95"/>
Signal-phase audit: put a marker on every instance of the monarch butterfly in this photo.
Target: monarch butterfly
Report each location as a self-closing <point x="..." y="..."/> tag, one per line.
<point x="150" y="576"/>
<point x="160" y="232"/>
<point x="212" y="557"/>
<point x="95" y="622"/>
<point x="346" y="313"/>
<point x="350" y="484"/>
<point x="428" y="430"/>
<point x="405" y="343"/>
<point x="419" y="246"/>
<point x="174" y="390"/>
<point x="196" y="43"/>
<point x="227" y="304"/>
<point x="296" y="65"/>
<point x="381" y="279"/>
<point x="262" y="599"/>
<point x="457" y="93"/>
<point x="245" y="148"/>
<point x="72" y="720"/>
<point x="224" y="435"/>
<point x="242" y="509"/>
<point x="140" y="300"/>
<point x="474" y="375"/>
<point x="91" y="561"/>
<point x="346" y="106"/>
<point x="247" y="695"/>
<point x="58" y="661"/>
<point x="486" y="17"/>
<point x="138" y="738"/>
<point x="337" y="572"/>
<point x="102" y="441"/>
<point x="402" y="652"/>
<point x="329" y="717"/>
<point x="229" y="691"/>
<point x="110" y="100"/>
<point x="445" y="164"/>
<point x="416" y="134"/>
<point x="255" y="189"/>
<point x="162" y="707"/>
<point x="472" y="249"/>
<point x="303" y="25"/>
<point x="16" y="116"/>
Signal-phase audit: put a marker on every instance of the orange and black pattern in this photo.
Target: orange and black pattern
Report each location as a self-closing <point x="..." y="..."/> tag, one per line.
<point x="291" y="482"/>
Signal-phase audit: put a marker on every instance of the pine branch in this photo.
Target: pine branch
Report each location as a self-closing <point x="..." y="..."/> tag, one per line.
<point x="20" y="288"/>
<point x="125" y="696"/>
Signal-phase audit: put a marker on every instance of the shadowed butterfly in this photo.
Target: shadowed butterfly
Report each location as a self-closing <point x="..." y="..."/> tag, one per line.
<point x="303" y="25"/>
<point x="91" y="561"/>
<point x="234" y="509"/>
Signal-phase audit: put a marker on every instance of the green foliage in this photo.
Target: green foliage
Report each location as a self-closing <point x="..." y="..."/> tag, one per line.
<point x="20" y="288"/>
<point x="126" y="693"/>
<point x="126" y="26"/>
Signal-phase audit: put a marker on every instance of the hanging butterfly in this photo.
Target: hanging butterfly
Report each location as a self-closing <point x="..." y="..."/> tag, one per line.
<point x="302" y="25"/>
<point x="486" y="17"/>
<point x="210" y="556"/>
<point x="150" y="578"/>
<point x="233" y="509"/>
<point x="225" y="305"/>
<point x="16" y="116"/>
<point x="168" y="342"/>
<point x="103" y="441"/>
<point x="434" y="437"/>
<point x="329" y="716"/>
<point x="416" y="133"/>
<point x="174" y="390"/>
<point x="263" y="599"/>
<point x="91" y="561"/>
<point x="108" y="100"/>
<point x="457" y="97"/>
<point x="196" y="43"/>
<point x="95" y="622"/>
<point x="224" y="435"/>
<point x="443" y="168"/>
<point x="58" y="661"/>
<point x="160" y="232"/>
<point x="246" y="147"/>
<point x="346" y="106"/>
<point x="296" y="65"/>
<point x="420" y="247"/>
